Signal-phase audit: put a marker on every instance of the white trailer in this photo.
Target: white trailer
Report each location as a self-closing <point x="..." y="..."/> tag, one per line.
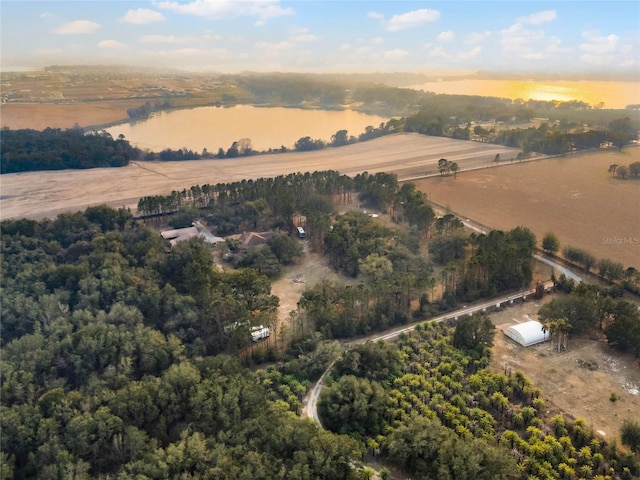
<point x="259" y="332"/>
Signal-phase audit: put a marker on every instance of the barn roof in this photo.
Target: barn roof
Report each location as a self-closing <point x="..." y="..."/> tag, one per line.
<point x="180" y="234"/>
<point x="527" y="333"/>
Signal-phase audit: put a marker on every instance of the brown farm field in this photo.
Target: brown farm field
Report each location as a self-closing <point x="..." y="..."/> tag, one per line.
<point x="45" y="194"/>
<point x="572" y="196"/>
<point x="40" y="116"/>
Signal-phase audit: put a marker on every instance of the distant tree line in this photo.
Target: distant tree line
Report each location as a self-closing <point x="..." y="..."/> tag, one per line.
<point x="55" y="149"/>
<point x="625" y="171"/>
<point x="609" y="270"/>
<point x="590" y="307"/>
<point x="230" y="207"/>
<point x="243" y="147"/>
<point x="143" y="111"/>
<point x="553" y="141"/>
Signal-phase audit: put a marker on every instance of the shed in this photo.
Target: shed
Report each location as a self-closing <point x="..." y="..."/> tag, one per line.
<point x="180" y="234"/>
<point x="527" y="333"/>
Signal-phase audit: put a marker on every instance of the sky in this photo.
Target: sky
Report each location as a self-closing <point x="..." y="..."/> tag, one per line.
<point x="325" y="36"/>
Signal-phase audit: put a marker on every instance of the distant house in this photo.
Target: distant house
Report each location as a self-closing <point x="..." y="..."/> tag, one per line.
<point x="180" y="234"/>
<point x="253" y="239"/>
<point x="527" y="333"/>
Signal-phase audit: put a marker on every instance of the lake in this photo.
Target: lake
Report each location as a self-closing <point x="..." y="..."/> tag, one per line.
<point x="272" y="127"/>
<point x="612" y="94"/>
<point x="219" y="127"/>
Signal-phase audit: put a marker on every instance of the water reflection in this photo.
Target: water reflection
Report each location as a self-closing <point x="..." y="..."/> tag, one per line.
<point x="218" y="127"/>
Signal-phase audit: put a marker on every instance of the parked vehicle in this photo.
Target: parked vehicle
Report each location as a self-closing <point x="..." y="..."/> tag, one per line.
<point x="259" y="332"/>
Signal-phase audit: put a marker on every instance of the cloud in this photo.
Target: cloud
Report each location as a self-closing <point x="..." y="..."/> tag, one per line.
<point x="48" y="51"/>
<point x="77" y="27"/>
<point x="189" y="52"/>
<point x="219" y="53"/>
<point x="519" y="41"/>
<point x="598" y="49"/>
<point x="470" y="54"/>
<point x="375" y="15"/>
<point x="438" y="52"/>
<point x="304" y="38"/>
<point x="165" y="39"/>
<point x="597" y="44"/>
<point x="412" y="19"/>
<point x="538" y="18"/>
<point x="111" y="44"/>
<point x="47" y="15"/>
<point x="447" y="36"/>
<point x="177" y="53"/>
<point x="273" y="49"/>
<point x="344" y="47"/>
<point x="220" y="9"/>
<point x="210" y="36"/>
<point x="142" y="16"/>
<point x="395" y="54"/>
<point x="378" y="41"/>
<point x="477" y="37"/>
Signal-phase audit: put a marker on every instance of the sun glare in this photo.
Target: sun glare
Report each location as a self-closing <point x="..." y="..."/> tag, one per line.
<point x="546" y="92"/>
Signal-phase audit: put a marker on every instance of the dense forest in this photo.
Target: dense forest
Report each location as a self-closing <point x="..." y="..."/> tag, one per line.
<point x="114" y="362"/>
<point x="123" y="357"/>
<point x="56" y="149"/>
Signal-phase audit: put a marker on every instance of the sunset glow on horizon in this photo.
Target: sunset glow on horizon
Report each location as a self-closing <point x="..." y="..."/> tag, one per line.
<point x="593" y="93"/>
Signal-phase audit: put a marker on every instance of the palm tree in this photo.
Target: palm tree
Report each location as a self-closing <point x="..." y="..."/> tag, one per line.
<point x="563" y="326"/>
<point x="550" y="326"/>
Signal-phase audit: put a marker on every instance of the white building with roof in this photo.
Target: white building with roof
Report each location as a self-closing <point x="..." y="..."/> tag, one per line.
<point x="527" y="333"/>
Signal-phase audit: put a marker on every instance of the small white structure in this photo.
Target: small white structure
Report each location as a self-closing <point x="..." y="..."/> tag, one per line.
<point x="180" y="235"/>
<point x="184" y="234"/>
<point x="527" y="333"/>
<point x="259" y="332"/>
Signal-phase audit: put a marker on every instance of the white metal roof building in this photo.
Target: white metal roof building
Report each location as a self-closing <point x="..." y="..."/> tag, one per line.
<point x="527" y="333"/>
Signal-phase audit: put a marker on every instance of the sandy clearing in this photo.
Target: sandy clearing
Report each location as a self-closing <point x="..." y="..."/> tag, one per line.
<point x="566" y="386"/>
<point x="45" y="194"/>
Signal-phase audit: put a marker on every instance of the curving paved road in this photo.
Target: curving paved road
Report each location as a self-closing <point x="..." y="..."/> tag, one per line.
<point x="310" y="402"/>
<point x="567" y="273"/>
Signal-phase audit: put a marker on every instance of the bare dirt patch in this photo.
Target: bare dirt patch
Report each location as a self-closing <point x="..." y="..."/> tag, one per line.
<point x="313" y="269"/>
<point x="578" y="382"/>
<point x="572" y="196"/>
